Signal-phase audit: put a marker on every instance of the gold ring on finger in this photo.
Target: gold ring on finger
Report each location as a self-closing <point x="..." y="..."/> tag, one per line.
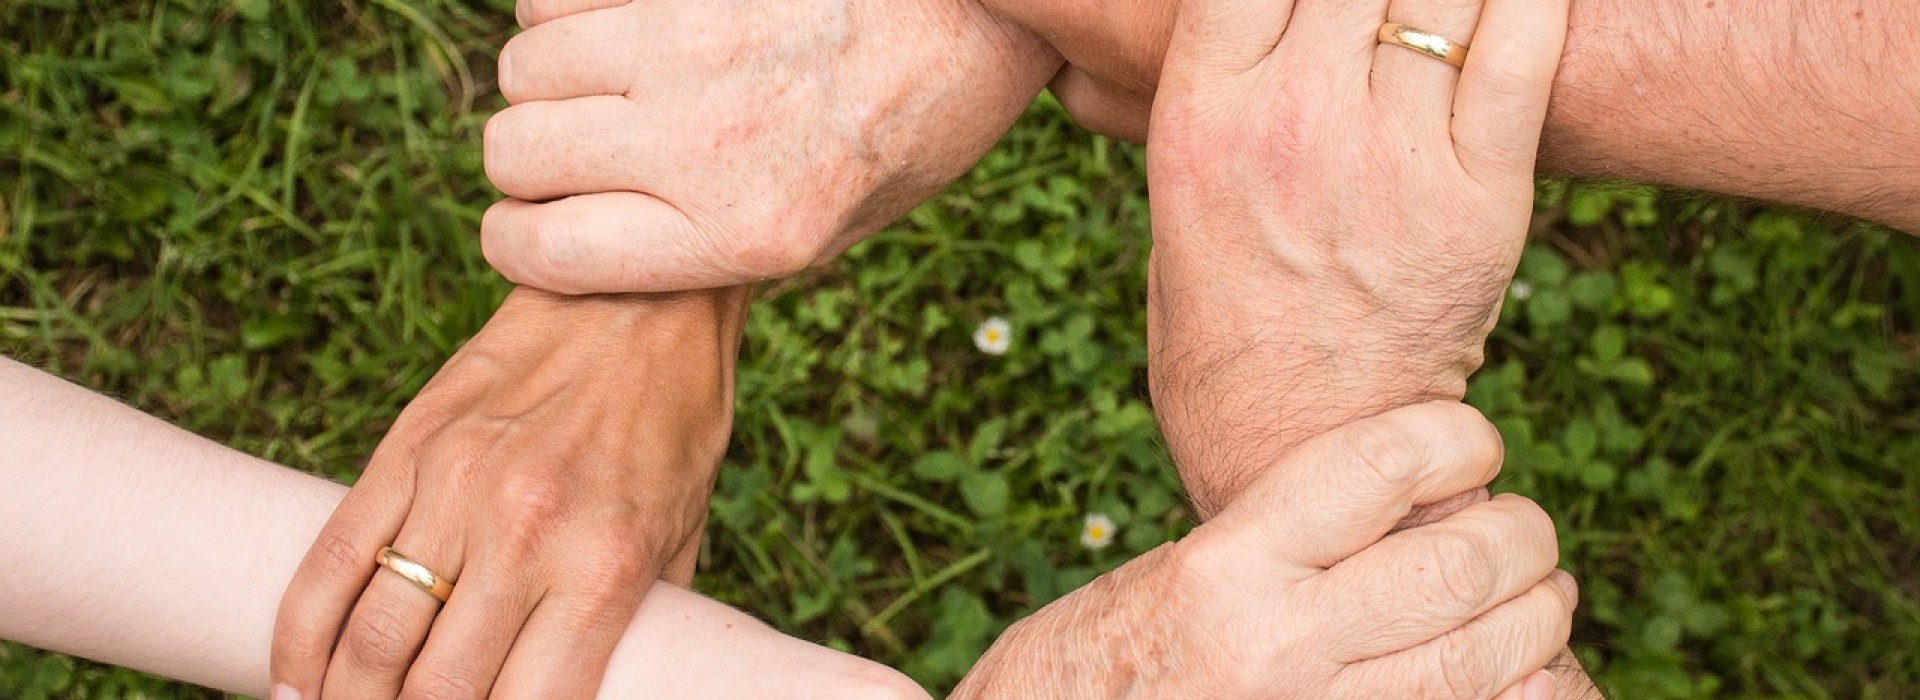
<point x="1424" y="43"/>
<point x="414" y="571"/>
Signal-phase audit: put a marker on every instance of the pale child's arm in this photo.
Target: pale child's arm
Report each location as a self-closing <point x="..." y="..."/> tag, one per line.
<point x="133" y="542"/>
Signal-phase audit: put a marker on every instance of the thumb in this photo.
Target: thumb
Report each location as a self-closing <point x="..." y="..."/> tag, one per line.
<point x="610" y="242"/>
<point x="1213" y="39"/>
<point x="1343" y="490"/>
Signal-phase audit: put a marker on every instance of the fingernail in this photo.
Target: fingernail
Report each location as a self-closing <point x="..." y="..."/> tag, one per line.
<point x="282" y="691"/>
<point x="1539" y="686"/>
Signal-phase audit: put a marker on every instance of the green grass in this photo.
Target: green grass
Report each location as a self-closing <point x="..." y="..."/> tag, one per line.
<point x="257" y="220"/>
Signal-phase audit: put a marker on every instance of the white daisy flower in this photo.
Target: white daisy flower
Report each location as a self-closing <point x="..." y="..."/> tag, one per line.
<point x="993" y="336"/>
<point x="1520" y="290"/>
<point x="1097" y="532"/>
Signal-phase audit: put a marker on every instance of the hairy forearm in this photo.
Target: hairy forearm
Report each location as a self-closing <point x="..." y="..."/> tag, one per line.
<point x="1808" y="103"/>
<point x="135" y="543"/>
<point x="1091" y="641"/>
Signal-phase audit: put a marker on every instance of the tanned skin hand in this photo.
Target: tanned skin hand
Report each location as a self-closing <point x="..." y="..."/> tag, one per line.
<point x="553" y="469"/>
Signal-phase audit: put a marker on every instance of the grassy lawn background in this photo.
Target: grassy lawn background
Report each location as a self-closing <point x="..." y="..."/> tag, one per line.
<point x="257" y="220"/>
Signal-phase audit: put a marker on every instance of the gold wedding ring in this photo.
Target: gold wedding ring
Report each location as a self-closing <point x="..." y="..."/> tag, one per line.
<point x="412" y="570"/>
<point x="1425" y="43"/>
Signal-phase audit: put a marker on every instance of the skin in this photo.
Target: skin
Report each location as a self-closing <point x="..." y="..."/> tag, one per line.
<point x="1802" y="103"/>
<point x="1696" y="95"/>
<point x="1333" y="243"/>
<point x="1689" y="94"/>
<point x="215" y="534"/>
<point x="713" y="192"/>
<point x="1274" y="599"/>
<point x="554" y="468"/>
<point x="136" y="543"/>
<point x="459" y="487"/>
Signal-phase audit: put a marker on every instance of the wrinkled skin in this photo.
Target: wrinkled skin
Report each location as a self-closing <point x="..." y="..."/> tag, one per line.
<point x="1297" y="590"/>
<point x="771" y="144"/>
<point x="553" y="469"/>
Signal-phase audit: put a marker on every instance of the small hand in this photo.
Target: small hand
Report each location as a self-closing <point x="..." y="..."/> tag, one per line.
<point x="685" y="144"/>
<point x="1298" y="591"/>
<point x="552" y="470"/>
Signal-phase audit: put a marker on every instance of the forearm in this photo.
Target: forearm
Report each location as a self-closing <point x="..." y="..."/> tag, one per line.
<point x="1091" y="640"/>
<point x="1806" y="103"/>
<point x="135" y="543"/>
<point x="1798" y="102"/>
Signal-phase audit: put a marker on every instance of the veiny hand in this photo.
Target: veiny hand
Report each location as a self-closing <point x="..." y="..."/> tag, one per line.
<point x="685" y="144"/>
<point x="552" y="469"/>
<point x="1298" y="591"/>
<point x="1335" y="242"/>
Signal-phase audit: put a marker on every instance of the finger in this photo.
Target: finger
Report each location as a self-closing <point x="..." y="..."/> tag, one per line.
<point x="330" y="580"/>
<point x="390" y="621"/>
<point x="614" y="242"/>
<point x="546" y="150"/>
<point x="1343" y="490"/>
<point x="532" y="13"/>
<point x="1102" y="108"/>
<point x="1492" y="652"/>
<point x="473" y="634"/>
<point x="1413" y="89"/>
<point x="1501" y="105"/>
<point x="680" y="569"/>
<point x="573" y="56"/>
<point x="1538" y="686"/>
<point x="1436" y="512"/>
<point x="564" y="649"/>
<point x="1423" y="583"/>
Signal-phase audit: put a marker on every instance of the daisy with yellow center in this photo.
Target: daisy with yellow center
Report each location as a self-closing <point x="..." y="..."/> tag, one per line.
<point x="1097" y="532"/>
<point x="993" y="336"/>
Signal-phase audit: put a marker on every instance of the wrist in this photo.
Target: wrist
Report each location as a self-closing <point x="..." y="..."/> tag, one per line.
<point x="1249" y="360"/>
<point x="668" y="357"/>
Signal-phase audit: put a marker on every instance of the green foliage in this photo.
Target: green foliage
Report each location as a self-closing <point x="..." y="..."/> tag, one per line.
<point x="1719" y="407"/>
<point x="256" y="219"/>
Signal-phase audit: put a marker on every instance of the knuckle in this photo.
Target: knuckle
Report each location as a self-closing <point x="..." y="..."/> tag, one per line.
<point x="1511" y="76"/>
<point x="299" y="640"/>
<point x="554" y="243"/>
<point x="528" y="502"/>
<point x="377" y="639"/>
<point x="1389" y="454"/>
<point x="336" y="554"/>
<point x="443" y="683"/>
<point x="1458" y="676"/>
<point x="1462" y="579"/>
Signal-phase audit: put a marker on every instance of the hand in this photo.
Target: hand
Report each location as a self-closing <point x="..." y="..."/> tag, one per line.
<point x="1292" y="592"/>
<point x="1332" y="243"/>
<point x="783" y="133"/>
<point x="552" y="469"/>
<point x="1114" y="50"/>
